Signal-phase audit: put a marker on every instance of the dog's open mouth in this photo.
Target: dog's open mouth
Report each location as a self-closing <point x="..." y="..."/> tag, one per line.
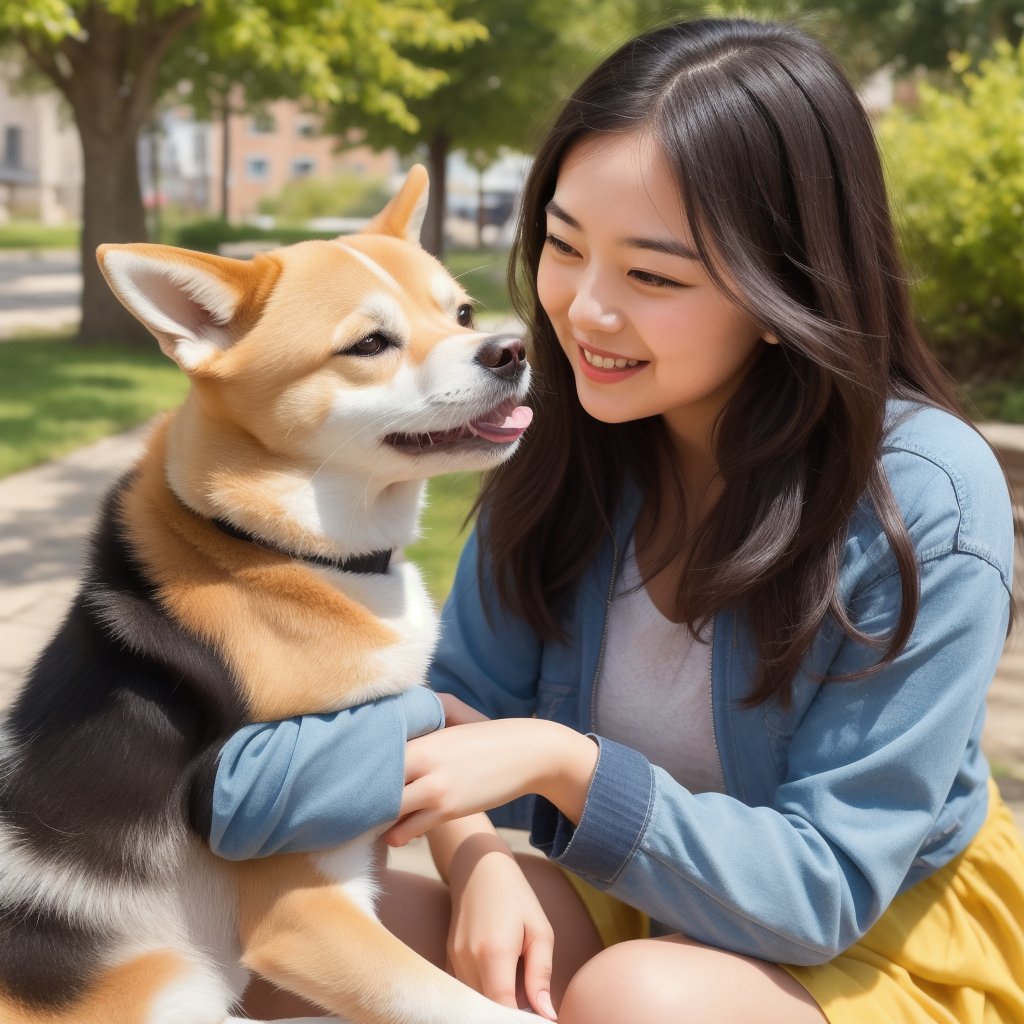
<point x="502" y="425"/>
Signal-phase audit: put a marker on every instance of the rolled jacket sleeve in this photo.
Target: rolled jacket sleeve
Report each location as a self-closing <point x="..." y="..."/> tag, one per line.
<point x="316" y="781"/>
<point x="871" y="767"/>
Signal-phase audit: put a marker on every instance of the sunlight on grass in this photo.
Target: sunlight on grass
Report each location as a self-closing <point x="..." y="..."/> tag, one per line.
<point x="56" y="396"/>
<point x="437" y="553"/>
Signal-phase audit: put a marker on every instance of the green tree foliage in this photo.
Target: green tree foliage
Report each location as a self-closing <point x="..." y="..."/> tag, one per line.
<point x="105" y="57"/>
<point x="497" y="90"/>
<point x="956" y="164"/>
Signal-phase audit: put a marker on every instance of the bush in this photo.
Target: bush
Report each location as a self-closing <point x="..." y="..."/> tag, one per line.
<point x="209" y="235"/>
<point x="345" y="196"/>
<point x="956" y="165"/>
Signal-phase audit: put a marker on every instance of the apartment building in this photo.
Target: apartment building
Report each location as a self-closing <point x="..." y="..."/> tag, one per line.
<point x="40" y="155"/>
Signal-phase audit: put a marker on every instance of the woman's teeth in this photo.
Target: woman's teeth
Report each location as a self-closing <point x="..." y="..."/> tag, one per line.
<point x="605" y="363"/>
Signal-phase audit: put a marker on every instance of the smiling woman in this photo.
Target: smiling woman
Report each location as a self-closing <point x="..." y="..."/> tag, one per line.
<point x="630" y="301"/>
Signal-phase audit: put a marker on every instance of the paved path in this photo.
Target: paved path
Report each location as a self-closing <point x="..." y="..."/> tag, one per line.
<point x="46" y="513"/>
<point x="39" y="292"/>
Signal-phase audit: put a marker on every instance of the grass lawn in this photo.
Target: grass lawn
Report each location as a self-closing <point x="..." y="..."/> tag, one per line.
<point x="482" y="273"/>
<point x="437" y="553"/>
<point x="55" y="396"/>
<point x="29" y="234"/>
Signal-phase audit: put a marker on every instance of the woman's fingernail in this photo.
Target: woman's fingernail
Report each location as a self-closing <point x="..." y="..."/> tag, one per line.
<point x="546" y="1006"/>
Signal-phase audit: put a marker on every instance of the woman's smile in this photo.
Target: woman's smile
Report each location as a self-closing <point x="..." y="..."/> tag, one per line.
<point x="619" y="278"/>
<point x="606" y="367"/>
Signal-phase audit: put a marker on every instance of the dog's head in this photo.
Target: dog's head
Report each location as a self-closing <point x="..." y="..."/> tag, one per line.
<point x="359" y="353"/>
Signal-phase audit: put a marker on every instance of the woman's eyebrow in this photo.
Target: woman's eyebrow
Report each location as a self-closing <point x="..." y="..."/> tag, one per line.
<point x="668" y="246"/>
<point x="556" y="211"/>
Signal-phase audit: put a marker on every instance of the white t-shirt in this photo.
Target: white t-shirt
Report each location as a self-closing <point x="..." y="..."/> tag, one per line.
<point x="654" y="687"/>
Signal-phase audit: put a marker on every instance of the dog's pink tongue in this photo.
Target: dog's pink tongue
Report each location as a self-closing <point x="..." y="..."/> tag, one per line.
<point x="506" y="428"/>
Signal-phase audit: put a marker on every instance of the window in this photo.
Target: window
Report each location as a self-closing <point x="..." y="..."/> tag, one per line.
<point x="12" y="146"/>
<point x="262" y="123"/>
<point x="257" y="168"/>
<point x="306" y="130"/>
<point x="303" y="167"/>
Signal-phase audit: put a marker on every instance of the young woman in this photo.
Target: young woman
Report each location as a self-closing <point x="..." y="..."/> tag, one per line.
<point x="733" y="609"/>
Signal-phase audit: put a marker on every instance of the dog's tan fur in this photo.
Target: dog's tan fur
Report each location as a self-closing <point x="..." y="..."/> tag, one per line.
<point x="252" y="443"/>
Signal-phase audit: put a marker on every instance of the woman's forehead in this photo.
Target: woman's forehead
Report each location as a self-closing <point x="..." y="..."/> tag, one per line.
<point x="621" y="180"/>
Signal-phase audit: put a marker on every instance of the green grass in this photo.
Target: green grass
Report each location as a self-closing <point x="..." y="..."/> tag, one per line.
<point x="55" y="396"/>
<point x="482" y="273"/>
<point x="27" y="234"/>
<point x="437" y="553"/>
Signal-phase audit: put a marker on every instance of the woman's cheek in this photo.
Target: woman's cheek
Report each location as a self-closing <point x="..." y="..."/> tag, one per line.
<point x="551" y="287"/>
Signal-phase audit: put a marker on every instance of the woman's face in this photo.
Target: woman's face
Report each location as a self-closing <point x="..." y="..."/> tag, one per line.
<point x="643" y="327"/>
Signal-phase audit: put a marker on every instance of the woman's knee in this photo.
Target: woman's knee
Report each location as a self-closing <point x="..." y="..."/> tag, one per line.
<point x="676" y="981"/>
<point x="625" y="982"/>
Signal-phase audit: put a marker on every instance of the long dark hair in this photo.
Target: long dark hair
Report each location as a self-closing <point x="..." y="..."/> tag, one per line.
<point x="783" y="190"/>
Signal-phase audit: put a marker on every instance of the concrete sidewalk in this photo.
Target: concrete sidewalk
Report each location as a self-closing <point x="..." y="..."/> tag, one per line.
<point x="46" y="514"/>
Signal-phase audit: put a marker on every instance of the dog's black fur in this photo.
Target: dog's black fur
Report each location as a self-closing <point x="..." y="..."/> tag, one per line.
<point x="114" y="737"/>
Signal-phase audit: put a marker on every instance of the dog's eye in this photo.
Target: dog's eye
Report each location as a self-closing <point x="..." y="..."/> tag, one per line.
<point x="464" y="315"/>
<point x="371" y="345"/>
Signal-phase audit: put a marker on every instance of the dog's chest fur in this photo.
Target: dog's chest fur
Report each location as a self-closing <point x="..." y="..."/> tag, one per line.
<point x="178" y="637"/>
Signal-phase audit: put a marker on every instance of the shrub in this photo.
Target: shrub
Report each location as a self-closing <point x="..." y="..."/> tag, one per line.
<point x="209" y="235"/>
<point x="956" y="165"/>
<point x="344" y="196"/>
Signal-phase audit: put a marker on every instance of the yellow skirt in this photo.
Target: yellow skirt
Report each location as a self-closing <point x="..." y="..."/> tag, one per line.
<point x="948" y="951"/>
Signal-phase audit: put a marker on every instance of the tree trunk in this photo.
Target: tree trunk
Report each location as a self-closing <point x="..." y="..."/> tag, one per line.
<point x="433" y="226"/>
<point x="225" y="160"/>
<point x="108" y="74"/>
<point x="112" y="211"/>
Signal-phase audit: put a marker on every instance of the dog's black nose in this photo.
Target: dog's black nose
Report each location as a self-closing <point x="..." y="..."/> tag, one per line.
<point x="502" y="354"/>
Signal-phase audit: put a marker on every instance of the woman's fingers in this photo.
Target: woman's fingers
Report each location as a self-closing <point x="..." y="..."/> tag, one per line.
<point x="537" y="959"/>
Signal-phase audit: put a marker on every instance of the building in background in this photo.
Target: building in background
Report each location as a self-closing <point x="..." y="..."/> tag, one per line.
<point x="283" y="144"/>
<point x="182" y="160"/>
<point x="40" y="155"/>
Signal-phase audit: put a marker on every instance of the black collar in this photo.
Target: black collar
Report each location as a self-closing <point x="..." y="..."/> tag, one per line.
<point x="375" y="562"/>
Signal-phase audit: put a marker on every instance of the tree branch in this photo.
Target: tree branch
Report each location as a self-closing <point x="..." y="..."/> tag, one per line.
<point x="46" y="63"/>
<point x="151" y="52"/>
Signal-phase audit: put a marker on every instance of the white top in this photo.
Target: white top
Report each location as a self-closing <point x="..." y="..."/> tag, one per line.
<point x="654" y="687"/>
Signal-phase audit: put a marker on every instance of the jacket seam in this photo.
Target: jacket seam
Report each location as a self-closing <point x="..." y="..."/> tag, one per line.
<point x="642" y="831"/>
<point x="737" y="912"/>
<point x="934" y="554"/>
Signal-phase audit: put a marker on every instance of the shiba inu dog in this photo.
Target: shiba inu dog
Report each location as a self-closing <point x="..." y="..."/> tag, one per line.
<point x="247" y="569"/>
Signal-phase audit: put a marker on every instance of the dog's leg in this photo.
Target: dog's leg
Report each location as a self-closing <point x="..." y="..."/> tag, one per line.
<point x="161" y="987"/>
<point x="304" y="932"/>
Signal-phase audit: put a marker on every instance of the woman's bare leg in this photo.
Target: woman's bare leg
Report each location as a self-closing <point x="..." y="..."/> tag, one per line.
<point x="647" y="981"/>
<point x="676" y="981"/>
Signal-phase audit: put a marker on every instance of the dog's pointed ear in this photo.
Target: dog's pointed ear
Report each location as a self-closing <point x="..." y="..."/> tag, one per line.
<point x="403" y="216"/>
<point x="195" y="304"/>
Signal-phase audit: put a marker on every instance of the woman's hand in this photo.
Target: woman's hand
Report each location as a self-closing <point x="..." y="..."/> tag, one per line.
<point x="468" y="768"/>
<point x="497" y="921"/>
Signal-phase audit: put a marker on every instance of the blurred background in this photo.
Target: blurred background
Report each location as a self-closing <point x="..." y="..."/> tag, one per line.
<point x="231" y="126"/>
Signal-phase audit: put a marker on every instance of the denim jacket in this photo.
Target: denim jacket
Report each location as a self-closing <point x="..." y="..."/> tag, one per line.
<point x="833" y="805"/>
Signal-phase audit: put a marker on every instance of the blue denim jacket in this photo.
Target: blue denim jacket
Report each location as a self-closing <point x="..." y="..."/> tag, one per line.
<point x="834" y="804"/>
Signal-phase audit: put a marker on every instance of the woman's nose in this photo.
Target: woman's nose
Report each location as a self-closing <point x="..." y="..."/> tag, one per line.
<point x="589" y="312"/>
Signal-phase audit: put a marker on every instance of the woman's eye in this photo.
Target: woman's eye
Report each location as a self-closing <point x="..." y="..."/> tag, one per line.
<point x="464" y="315"/>
<point x="371" y="345"/>
<point x="644" y="277"/>
<point x="559" y="246"/>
